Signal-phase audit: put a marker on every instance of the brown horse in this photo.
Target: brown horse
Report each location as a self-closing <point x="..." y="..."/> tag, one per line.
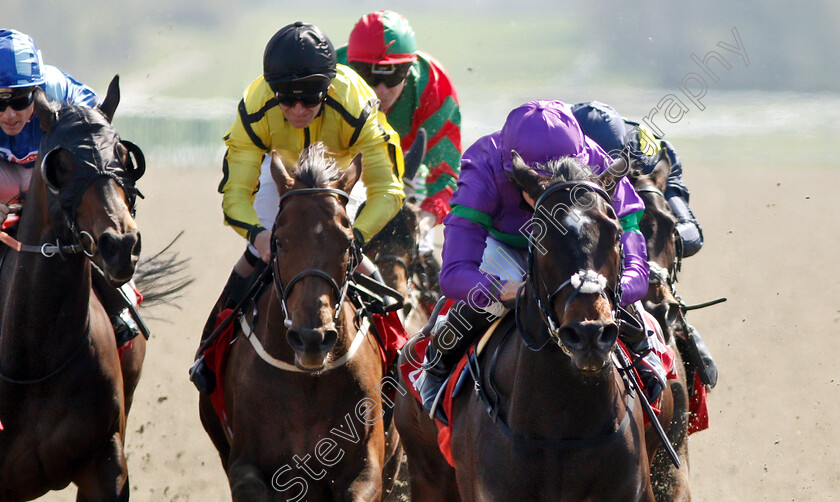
<point x="63" y="391"/>
<point x="659" y="228"/>
<point x="555" y="419"/>
<point x="309" y="382"/>
<point x="394" y="250"/>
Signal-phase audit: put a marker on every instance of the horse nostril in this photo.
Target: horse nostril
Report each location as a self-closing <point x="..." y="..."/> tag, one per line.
<point x="608" y="336"/>
<point x="295" y="339"/>
<point x="135" y="249"/>
<point x="672" y="309"/>
<point x="330" y="336"/>
<point x="108" y="247"/>
<point x="571" y="337"/>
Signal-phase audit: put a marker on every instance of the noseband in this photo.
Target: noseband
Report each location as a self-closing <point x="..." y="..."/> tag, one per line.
<point x="283" y="291"/>
<point x="581" y="282"/>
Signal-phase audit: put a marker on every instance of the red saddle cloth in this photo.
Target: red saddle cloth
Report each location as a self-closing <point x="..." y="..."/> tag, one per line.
<point x="389" y="327"/>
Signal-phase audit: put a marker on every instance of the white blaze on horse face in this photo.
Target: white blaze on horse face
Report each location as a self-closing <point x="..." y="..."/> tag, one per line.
<point x="319" y="227"/>
<point x="574" y="221"/>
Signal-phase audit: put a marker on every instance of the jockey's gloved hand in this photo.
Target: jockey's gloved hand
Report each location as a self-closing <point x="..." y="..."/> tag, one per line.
<point x="4" y="211"/>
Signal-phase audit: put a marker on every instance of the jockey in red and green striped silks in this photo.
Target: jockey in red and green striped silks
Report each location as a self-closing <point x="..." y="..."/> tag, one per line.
<point x="415" y="92"/>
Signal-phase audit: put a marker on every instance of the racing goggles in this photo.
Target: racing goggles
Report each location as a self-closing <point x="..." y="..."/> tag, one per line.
<point x="310" y="94"/>
<point x="17" y="103"/>
<point x="389" y="74"/>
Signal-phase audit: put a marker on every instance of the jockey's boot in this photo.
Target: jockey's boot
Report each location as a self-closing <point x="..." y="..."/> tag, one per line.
<point x="116" y="306"/>
<point x="698" y="356"/>
<point x="650" y="369"/>
<point x="463" y="325"/>
<point x="647" y="363"/>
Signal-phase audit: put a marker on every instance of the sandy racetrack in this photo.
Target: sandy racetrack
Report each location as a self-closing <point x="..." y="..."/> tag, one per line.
<point x="771" y="241"/>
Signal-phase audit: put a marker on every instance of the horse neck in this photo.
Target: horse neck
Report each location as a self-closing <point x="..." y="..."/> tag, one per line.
<point x="42" y="300"/>
<point x="570" y="406"/>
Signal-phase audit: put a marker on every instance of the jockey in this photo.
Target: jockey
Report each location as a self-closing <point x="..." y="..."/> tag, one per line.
<point x="487" y="215"/>
<point x="21" y="71"/>
<point x="415" y="93"/>
<point x="602" y="123"/>
<point x="302" y="97"/>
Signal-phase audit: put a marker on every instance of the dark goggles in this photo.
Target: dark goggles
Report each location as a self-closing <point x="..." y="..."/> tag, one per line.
<point x="310" y="94"/>
<point x="389" y="74"/>
<point x="308" y="100"/>
<point x="17" y="103"/>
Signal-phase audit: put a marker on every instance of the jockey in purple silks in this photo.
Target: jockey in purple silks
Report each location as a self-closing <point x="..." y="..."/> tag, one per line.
<point x="487" y="215"/>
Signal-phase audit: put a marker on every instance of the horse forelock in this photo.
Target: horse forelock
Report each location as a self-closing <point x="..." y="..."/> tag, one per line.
<point x="564" y="169"/>
<point x="316" y="169"/>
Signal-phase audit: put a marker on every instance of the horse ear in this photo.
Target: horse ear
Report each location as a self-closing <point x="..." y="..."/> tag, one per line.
<point x="612" y="175"/>
<point x="525" y="178"/>
<point x="112" y="99"/>
<point x="282" y="178"/>
<point x="660" y="172"/>
<point x="47" y="115"/>
<point x="351" y="175"/>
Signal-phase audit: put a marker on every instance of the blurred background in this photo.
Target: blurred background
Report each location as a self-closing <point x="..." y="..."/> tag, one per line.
<point x="185" y="63"/>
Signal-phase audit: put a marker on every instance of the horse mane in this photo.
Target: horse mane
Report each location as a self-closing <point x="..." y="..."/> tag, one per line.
<point x="316" y="168"/>
<point x="564" y="169"/>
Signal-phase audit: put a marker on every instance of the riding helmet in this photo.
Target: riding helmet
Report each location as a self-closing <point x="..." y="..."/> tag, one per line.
<point x="20" y="61"/>
<point x="382" y="37"/>
<point x="540" y="131"/>
<point x="298" y="52"/>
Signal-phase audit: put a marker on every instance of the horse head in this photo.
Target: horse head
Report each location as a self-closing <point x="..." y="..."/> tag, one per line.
<point x="89" y="174"/>
<point x="659" y="226"/>
<point x="312" y="250"/>
<point x="394" y="249"/>
<point x="575" y="257"/>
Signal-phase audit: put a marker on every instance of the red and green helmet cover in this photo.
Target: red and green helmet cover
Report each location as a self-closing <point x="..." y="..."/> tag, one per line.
<point x="382" y="37"/>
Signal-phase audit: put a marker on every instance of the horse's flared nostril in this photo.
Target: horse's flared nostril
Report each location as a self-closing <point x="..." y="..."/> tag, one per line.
<point x="295" y="340"/>
<point x="570" y="336"/>
<point x="330" y="336"/>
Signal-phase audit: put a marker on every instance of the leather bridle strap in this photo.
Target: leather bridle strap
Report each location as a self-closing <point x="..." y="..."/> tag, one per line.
<point x="47" y="250"/>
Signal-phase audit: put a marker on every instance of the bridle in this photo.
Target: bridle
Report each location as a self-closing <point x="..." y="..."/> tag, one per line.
<point x="48" y="250"/>
<point x="284" y="290"/>
<point x="581" y="282"/>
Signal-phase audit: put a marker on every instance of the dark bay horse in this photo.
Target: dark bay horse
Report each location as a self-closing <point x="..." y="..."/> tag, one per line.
<point x="659" y="228"/>
<point x="303" y="378"/>
<point x="394" y="250"/>
<point x="63" y="392"/>
<point x="556" y="420"/>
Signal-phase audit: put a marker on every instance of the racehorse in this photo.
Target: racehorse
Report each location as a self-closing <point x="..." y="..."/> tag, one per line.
<point x="659" y="228"/>
<point x="64" y="394"/>
<point x="394" y="250"/>
<point x="555" y="419"/>
<point x="308" y="383"/>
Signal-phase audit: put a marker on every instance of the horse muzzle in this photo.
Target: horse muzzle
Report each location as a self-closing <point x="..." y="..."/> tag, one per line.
<point x="589" y="343"/>
<point x="119" y="254"/>
<point x="311" y="346"/>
